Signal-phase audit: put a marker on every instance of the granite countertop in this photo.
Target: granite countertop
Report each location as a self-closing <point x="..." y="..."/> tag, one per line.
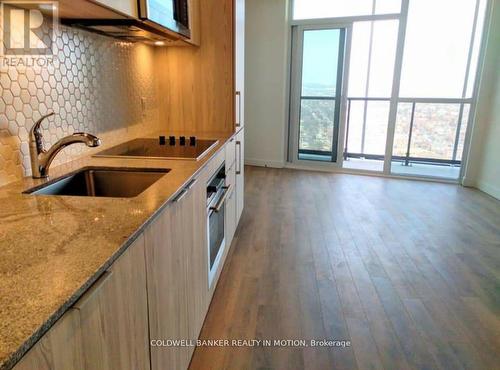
<point x="53" y="248"/>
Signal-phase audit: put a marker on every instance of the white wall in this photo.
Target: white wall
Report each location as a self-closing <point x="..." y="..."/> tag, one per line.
<point x="265" y="82"/>
<point x="483" y="169"/>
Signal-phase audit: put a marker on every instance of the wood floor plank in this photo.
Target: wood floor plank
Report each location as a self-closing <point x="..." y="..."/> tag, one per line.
<point x="427" y="327"/>
<point x="407" y="271"/>
<point x="389" y="346"/>
<point x="367" y="356"/>
<point x="414" y="346"/>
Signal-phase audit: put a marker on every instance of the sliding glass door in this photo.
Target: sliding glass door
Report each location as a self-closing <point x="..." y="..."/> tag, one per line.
<point x="384" y="85"/>
<point x="317" y="93"/>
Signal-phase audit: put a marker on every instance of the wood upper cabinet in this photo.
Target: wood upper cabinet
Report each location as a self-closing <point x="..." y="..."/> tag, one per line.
<point x="240" y="174"/>
<point x="114" y="315"/>
<point x="126" y="7"/>
<point x="196" y="84"/>
<point x="106" y="329"/>
<point x="239" y="62"/>
<point x="194" y="22"/>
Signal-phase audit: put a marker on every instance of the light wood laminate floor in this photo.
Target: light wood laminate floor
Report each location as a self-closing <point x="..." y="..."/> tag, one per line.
<point x="408" y="271"/>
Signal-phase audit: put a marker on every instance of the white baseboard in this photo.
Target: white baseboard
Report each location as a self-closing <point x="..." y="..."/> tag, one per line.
<point x="489" y="188"/>
<point x="264" y="163"/>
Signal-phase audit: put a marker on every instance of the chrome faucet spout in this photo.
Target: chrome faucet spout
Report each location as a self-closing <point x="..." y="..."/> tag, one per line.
<point x="41" y="158"/>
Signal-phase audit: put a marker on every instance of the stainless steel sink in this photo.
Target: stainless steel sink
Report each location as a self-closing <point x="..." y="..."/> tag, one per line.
<point x="102" y="182"/>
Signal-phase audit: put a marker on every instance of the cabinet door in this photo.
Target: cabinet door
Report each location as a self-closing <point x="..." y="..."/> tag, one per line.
<point x="231" y="199"/>
<point x="114" y="315"/>
<point x="194" y="223"/>
<point x="59" y="349"/>
<point x="230" y="217"/>
<point x="167" y="288"/>
<point x="240" y="174"/>
<point x="127" y="7"/>
<point x="239" y="60"/>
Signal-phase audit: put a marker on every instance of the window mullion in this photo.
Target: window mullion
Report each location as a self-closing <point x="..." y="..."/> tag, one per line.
<point x="396" y="82"/>
<point x="471" y="47"/>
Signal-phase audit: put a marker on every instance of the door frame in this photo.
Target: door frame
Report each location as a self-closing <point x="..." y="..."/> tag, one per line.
<point x="297" y="47"/>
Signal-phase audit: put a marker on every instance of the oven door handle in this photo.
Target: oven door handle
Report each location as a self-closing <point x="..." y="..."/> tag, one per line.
<point x="222" y="200"/>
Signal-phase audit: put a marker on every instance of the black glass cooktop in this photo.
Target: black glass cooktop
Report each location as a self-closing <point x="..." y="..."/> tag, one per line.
<point x="151" y="148"/>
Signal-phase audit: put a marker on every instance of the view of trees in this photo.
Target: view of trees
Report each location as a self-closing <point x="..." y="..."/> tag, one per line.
<point x="316" y="124"/>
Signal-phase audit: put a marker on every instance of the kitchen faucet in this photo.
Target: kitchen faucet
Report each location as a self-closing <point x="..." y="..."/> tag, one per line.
<point x="41" y="158"/>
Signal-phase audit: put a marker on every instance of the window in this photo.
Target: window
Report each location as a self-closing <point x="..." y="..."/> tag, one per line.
<point x="314" y="9"/>
<point x="415" y="93"/>
<point x="437" y="48"/>
<point x="373" y="52"/>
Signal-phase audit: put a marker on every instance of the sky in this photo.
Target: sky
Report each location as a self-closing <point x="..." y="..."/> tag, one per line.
<point x="320" y="63"/>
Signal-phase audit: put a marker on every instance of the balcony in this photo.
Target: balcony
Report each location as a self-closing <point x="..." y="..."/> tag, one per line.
<point x="428" y="141"/>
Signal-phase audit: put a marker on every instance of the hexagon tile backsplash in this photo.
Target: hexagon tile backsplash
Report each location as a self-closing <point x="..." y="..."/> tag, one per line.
<point x="97" y="85"/>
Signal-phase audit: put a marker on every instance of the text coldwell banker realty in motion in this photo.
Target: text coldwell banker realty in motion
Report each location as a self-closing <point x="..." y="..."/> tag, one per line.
<point x="249" y="343"/>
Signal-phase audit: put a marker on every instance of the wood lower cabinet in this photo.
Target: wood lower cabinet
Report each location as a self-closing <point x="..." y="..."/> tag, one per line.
<point x="231" y="199"/>
<point x="230" y="153"/>
<point x="59" y="349"/>
<point x="166" y="289"/>
<point x="230" y="217"/>
<point x="240" y="174"/>
<point x="196" y="255"/>
<point x="177" y="270"/>
<point x="114" y="315"/>
<point x="156" y="291"/>
<point x="107" y="329"/>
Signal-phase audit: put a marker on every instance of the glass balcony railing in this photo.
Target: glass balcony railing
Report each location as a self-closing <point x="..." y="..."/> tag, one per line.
<point x="428" y="132"/>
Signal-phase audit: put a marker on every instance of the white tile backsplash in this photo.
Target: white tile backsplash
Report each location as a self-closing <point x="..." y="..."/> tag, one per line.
<point x="95" y="86"/>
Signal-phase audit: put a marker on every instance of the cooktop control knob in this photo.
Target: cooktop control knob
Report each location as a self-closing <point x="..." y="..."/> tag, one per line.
<point x="162" y="140"/>
<point x="171" y="140"/>
<point x="182" y="140"/>
<point x="192" y="140"/>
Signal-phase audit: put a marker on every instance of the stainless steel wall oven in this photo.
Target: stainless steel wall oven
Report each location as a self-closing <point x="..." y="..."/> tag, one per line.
<point x="217" y="192"/>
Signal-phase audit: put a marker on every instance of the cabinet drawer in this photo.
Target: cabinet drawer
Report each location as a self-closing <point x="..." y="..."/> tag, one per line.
<point x="231" y="175"/>
<point x="214" y="164"/>
<point x="230" y="218"/>
<point x="230" y="153"/>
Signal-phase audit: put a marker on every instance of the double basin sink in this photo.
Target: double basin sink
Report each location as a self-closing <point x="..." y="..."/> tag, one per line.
<point x="102" y="182"/>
